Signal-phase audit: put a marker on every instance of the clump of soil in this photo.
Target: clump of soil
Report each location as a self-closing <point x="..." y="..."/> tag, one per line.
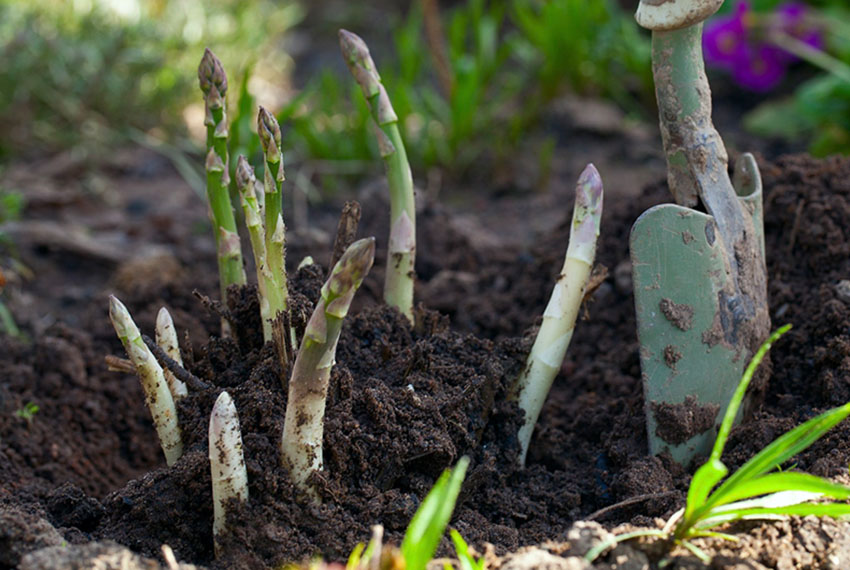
<point x="406" y="402"/>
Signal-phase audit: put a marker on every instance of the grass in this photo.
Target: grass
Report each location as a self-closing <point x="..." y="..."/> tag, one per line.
<point x="759" y="489"/>
<point x="425" y="530"/>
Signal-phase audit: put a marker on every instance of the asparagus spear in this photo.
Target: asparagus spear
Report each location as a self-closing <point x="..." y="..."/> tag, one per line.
<point x="270" y="138"/>
<point x="301" y="445"/>
<point x="556" y="331"/>
<point x="213" y="82"/>
<point x="157" y="395"/>
<point x="398" y="284"/>
<point x="227" y="461"/>
<point x="166" y="339"/>
<point x="246" y="184"/>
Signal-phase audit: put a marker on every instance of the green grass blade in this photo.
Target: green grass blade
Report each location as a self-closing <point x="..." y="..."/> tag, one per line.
<point x="835" y="510"/>
<point x="738" y="396"/>
<point x="428" y="524"/>
<point x="467" y="562"/>
<point x="704" y="480"/>
<point x="780" y="450"/>
<point x="787" y="481"/>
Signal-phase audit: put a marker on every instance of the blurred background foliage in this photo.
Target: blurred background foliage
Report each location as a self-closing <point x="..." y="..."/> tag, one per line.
<point x="469" y="79"/>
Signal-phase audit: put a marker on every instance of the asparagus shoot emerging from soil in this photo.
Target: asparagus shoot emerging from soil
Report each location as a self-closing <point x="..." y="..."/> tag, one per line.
<point x="301" y="445"/>
<point x="166" y="339"/>
<point x="227" y="461"/>
<point x="559" y="318"/>
<point x="157" y="394"/>
<point x="398" y="284"/>
<point x="275" y="236"/>
<point x="246" y="184"/>
<point x="213" y="82"/>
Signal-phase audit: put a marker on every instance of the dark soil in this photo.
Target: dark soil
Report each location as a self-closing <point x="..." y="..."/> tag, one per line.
<point x="406" y="402"/>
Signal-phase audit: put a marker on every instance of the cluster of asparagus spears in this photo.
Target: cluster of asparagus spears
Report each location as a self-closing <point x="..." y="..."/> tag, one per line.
<point x="301" y="443"/>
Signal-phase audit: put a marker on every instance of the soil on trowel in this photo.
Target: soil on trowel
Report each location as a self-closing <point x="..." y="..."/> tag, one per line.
<point x="406" y="401"/>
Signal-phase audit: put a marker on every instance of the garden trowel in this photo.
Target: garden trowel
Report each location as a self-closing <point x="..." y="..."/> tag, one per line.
<point x="699" y="277"/>
<point x="695" y="320"/>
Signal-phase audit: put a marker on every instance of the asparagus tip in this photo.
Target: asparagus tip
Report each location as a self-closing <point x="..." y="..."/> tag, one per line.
<point x="270" y="136"/>
<point x="211" y="73"/>
<point x="244" y="174"/>
<point x="353" y="47"/>
<point x="589" y="188"/>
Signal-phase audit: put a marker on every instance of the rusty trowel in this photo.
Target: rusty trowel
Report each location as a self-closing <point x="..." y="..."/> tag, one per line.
<point x="699" y="277"/>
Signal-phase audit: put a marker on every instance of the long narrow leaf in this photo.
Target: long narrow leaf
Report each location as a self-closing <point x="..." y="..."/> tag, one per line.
<point x="740" y="390"/>
<point x="835" y="510"/>
<point x="780" y="450"/>
<point x="467" y="562"/>
<point x="428" y="524"/>
<point x="788" y="481"/>
<point x="704" y="480"/>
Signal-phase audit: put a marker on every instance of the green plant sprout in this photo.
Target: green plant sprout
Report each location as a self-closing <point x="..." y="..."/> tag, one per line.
<point x="28" y="412"/>
<point x="157" y="394"/>
<point x="301" y="444"/>
<point x="424" y="532"/>
<point x="401" y="254"/>
<point x="227" y="462"/>
<point x="756" y="490"/>
<point x="275" y="229"/>
<point x="213" y="82"/>
<point x="246" y="184"/>
<point x="547" y="354"/>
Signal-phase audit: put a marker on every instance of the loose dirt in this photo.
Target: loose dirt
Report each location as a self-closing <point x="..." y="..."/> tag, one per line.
<point x="406" y="402"/>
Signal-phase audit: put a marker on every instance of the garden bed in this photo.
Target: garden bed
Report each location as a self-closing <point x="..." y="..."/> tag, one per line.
<point x="405" y="403"/>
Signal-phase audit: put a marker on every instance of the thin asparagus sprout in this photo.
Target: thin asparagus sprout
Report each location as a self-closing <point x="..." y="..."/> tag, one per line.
<point x="227" y="461"/>
<point x="301" y="445"/>
<point x="213" y="82"/>
<point x="556" y="331"/>
<point x="246" y="184"/>
<point x="398" y="284"/>
<point x="270" y="139"/>
<point x="166" y="338"/>
<point x="157" y="395"/>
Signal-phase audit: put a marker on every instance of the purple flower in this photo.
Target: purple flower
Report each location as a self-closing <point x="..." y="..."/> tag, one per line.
<point x="745" y="43"/>
<point x="725" y="38"/>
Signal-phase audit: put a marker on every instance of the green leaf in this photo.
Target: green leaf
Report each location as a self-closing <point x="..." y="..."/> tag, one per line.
<point x="428" y="524"/>
<point x="786" y="481"/>
<point x="704" y="480"/>
<point x="738" y="396"/>
<point x="467" y="562"/>
<point x="835" y="510"/>
<point x="780" y="450"/>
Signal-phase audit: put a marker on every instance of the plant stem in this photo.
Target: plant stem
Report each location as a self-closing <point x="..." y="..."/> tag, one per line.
<point x="246" y="183"/>
<point x="547" y="354"/>
<point x="401" y="257"/>
<point x="166" y="339"/>
<point x="157" y="395"/>
<point x="301" y="445"/>
<point x="213" y="82"/>
<point x="270" y="138"/>
<point x="227" y="462"/>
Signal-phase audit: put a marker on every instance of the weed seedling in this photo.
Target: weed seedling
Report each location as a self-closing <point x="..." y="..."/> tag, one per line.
<point x="758" y="489"/>
<point x="28" y="412"/>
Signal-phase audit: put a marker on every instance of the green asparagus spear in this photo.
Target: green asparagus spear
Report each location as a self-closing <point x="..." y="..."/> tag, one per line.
<point x="213" y="83"/>
<point x="246" y="184"/>
<point x="301" y="445"/>
<point x="398" y="284"/>
<point x="270" y="139"/>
